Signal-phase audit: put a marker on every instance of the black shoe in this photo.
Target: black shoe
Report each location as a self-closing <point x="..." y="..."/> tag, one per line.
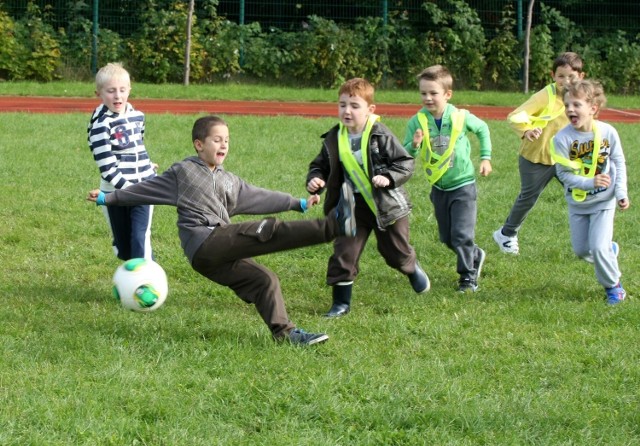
<point x="338" y="310"/>
<point x="298" y="336"/>
<point x="419" y="280"/>
<point x="345" y="211"/>
<point x="467" y="286"/>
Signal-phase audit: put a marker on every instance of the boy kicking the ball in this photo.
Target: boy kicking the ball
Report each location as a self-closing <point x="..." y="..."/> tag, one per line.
<point x="207" y="196"/>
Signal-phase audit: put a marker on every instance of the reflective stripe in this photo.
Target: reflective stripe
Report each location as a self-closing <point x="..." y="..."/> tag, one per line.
<point x="436" y="165"/>
<point x="542" y="119"/>
<point x="358" y="176"/>
<point x="578" y="166"/>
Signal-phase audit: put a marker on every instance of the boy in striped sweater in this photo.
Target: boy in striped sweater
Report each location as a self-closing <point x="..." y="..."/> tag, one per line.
<point x="116" y="140"/>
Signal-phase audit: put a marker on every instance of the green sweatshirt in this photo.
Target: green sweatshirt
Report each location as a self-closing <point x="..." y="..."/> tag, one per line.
<point x="461" y="170"/>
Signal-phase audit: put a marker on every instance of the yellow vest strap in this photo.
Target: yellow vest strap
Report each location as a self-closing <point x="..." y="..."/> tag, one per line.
<point x="578" y="166"/>
<point x="542" y="119"/>
<point x="358" y="175"/>
<point x="436" y="165"/>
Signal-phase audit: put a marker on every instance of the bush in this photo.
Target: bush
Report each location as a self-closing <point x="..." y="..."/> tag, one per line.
<point x="37" y="55"/>
<point x="461" y="41"/>
<point x="504" y="51"/>
<point x="9" y="48"/>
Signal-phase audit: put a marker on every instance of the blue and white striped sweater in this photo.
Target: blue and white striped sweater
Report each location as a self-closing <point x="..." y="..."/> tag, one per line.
<point x="117" y="144"/>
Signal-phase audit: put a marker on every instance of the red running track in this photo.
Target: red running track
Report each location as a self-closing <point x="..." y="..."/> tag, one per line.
<point x="35" y="104"/>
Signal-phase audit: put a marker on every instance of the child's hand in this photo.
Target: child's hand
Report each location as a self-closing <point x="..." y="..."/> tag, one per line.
<point x="601" y="180"/>
<point x="485" y="168"/>
<point x="154" y="166"/>
<point x="93" y="195"/>
<point x="315" y="184"/>
<point x="380" y="181"/>
<point x="533" y="133"/>
<point x="624" y="204"/>
<point x="417" y="138"/>
<point x="313" y="200"/>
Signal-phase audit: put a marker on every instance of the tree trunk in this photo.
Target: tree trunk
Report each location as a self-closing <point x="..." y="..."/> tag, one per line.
<point x="187" y="50"/>
<point x="527" y="39"/>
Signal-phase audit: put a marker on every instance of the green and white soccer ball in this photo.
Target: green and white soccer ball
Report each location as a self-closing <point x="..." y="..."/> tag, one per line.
<point x="140" y="285"/>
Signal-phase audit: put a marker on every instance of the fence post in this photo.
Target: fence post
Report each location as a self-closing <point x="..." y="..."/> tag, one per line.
<point x="241" y="23"/>
<point x="94" y="39"/>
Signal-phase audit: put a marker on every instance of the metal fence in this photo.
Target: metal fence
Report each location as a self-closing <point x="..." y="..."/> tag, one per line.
<point x="579" y="23"/>
<point x="122" y="16"/>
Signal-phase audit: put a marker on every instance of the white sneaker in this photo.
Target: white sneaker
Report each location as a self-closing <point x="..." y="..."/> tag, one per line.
<point x="507" y="245"/>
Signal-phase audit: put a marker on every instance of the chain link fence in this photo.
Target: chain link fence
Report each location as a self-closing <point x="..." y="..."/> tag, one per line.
<point x="115" y="22"/>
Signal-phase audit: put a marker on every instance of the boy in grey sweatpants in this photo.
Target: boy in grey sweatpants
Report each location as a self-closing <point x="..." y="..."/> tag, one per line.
<point x="207" y="196"/>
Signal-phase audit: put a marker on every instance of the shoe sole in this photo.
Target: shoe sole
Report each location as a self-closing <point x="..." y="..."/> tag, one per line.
<point x="348" y="202"/>
<point x="317" y="340"/>
<point x="483" y="255"/>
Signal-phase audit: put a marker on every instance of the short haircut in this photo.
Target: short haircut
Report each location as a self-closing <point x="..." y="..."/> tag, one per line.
<point x="358" y="87"/>
<point x="439" y="74"/>
<point x="589" y="90"/>
<point x="202" y="126"/>
<point x="568" y="58"/>
<point x="108" y="72"/>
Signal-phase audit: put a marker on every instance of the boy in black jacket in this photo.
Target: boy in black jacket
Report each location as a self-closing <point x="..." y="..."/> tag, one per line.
<point x="365" y="155"/>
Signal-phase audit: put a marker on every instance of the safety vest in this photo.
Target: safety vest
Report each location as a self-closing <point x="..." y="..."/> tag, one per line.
<point x="542" y="119"/>
<point x="578" y="166"/>
<point x="358" y="175"/>
<point x="436" y="165"/>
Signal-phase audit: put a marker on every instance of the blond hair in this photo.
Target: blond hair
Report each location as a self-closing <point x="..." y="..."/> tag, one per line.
<point x="589" y="90"/>
<point x="108" y="72"/>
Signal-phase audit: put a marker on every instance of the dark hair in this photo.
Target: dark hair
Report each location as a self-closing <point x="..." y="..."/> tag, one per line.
<point x="202" y="126"/>
<point x="437" y="73"/>
<point x="568" y="58"/>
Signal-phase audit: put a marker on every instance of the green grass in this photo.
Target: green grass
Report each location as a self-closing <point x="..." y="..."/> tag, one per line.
<point x="255" y="92"/>
<point x="535" y="357"/>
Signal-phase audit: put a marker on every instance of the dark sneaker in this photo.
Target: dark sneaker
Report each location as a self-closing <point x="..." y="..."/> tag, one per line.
<point x="338" y="310"/>
<point x="615" y="294"/>
<point x="298" y="336"/>
<point x="345" y="211"/>
<point x="419" y="280"/>
<point x="467" y="286"/>
<point x="478" y="262"/>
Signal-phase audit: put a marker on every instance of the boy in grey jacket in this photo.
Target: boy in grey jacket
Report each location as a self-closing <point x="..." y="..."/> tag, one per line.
<point x="364" y="153"/>
<point x="207" y="196"/>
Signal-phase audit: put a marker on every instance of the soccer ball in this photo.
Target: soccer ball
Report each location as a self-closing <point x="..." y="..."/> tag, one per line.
<point x="140" y="285"/>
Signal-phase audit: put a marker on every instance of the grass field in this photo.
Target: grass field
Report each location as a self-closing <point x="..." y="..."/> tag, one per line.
<point x="535" y="357"/>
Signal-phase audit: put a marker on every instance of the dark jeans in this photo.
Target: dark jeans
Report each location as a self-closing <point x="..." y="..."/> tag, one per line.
<point x="131" y="230"/>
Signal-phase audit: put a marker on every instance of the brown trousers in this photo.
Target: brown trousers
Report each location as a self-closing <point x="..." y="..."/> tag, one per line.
<point x="225" y="258"/>
<point x="393" y="245"/>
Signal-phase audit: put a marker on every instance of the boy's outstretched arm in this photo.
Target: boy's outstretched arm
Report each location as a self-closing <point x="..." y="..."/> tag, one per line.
<point x="93" y="195"/>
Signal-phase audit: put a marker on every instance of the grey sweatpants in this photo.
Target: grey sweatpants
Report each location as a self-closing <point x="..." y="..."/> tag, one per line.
<point x="591" y="235"/>
<point x="533" y="180"/>
<point x="456" y="213"/>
